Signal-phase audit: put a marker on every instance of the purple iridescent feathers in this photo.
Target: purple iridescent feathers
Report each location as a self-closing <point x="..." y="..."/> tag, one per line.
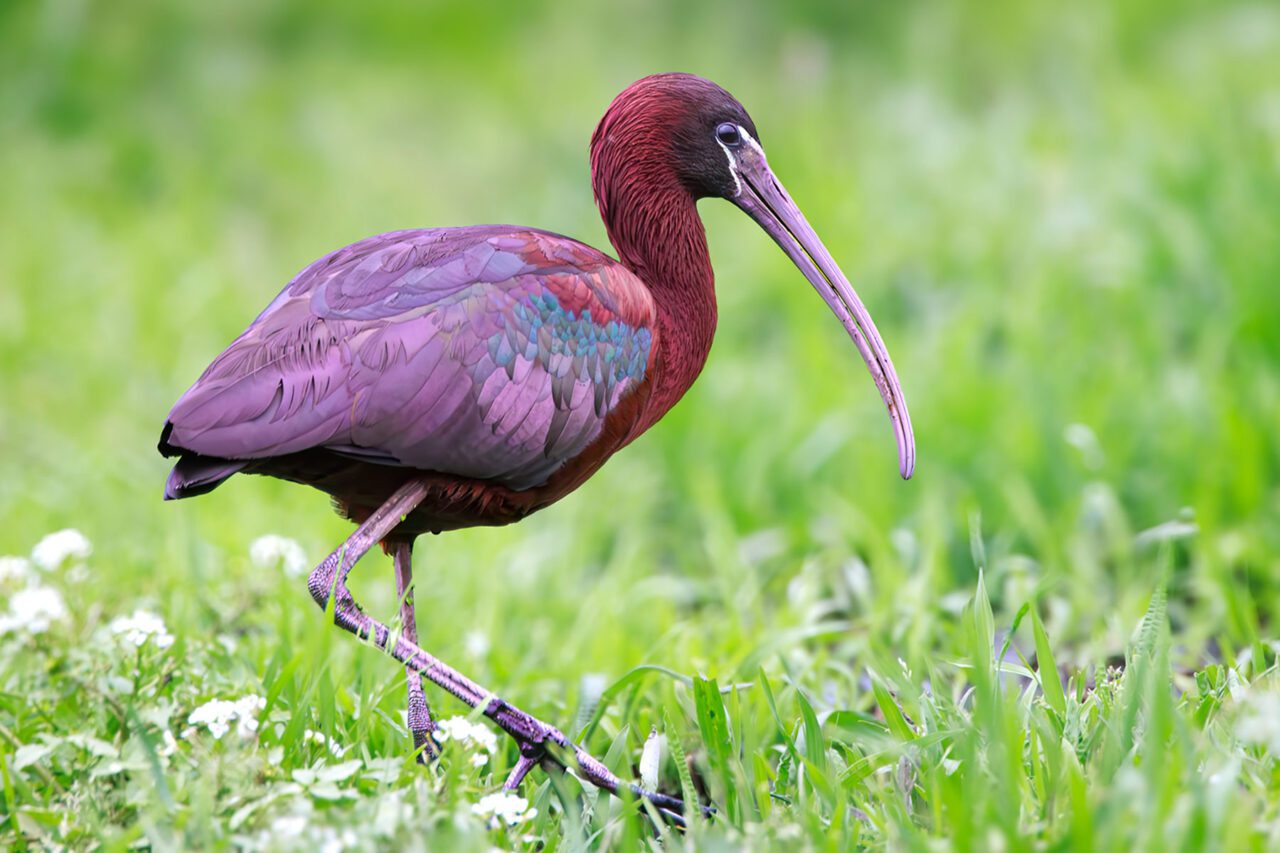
<point x="490" y="352"/>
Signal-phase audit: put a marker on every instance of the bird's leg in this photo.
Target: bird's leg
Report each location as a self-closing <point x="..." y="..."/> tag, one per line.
<point x="419" y="718"/>
<point x="330" y="579"/>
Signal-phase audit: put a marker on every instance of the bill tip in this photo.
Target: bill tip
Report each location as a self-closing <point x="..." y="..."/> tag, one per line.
<point x="907" y="467"/>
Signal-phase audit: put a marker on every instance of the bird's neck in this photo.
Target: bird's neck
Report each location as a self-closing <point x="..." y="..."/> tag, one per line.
<point x="653" y="224"/>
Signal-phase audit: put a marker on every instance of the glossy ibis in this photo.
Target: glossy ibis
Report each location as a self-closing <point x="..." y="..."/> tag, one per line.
<point x="442" y="378"/>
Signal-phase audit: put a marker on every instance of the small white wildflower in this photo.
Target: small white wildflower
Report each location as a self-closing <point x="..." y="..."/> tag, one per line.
<point x="15" y="572"/>
<point x="247" y="710"/>
<point x="214" y="715"/>
<point x="476" y="643"/>
<point x="288" y="826"/>
<point x="54" y="550"/>
<point x="33" y="610"/>
<point x="503" y="807"/>
<point x="1260" y="723"/>
<point x="217" y="715"/>
<point x="313" y="736"/>
<point x="272" y="550"/>
<point x="466" y="733"/>
<point x="479" y="759"/>
<point x="140" y="627"/>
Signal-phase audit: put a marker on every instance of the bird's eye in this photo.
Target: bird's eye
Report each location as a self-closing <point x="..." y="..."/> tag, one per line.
<point x="728" y="134"/>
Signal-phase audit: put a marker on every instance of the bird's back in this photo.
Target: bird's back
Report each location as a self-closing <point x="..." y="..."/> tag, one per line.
<point x="491" y="353"/>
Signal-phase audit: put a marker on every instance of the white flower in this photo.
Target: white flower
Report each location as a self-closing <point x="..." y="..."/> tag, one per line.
<point x="33" y="610"/>
<point x="140" y="627"/>
<point x="313" y="736"/>
<point x="1260" y="723"/>
<point x="479" y="759"/>
<point x="247" y="710"/>
<point x="217" y="715"/>
<point x="14" y="572"/>
<point x="466" y="733"/>
<point x="503" y="807"/>
<point x="288" y="826"/>
<point x="271" y="550"/>
<point x="57" y="548"/>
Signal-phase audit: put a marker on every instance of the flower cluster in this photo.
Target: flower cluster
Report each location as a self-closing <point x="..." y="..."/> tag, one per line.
<point x="62" y="547"/>
<point x="468" y="735"/>
<point x="34" y="607"/>
<point x="503" y="808"/>
<point x="1260" y="722"/>
<point x="271" y="550"/>
<point x="33" y="610"/>
<point x="15" y="572"/>
<point x="141" y="627"/>
<point x="217" y="715"/>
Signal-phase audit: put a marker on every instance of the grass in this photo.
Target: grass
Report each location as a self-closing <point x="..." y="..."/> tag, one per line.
<point x="1059" y="635"/>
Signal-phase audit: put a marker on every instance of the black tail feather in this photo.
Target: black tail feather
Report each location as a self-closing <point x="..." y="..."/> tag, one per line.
<point x="194" y="475"/>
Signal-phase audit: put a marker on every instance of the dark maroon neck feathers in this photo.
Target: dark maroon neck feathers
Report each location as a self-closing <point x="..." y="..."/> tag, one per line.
<point x="653" y="223"/>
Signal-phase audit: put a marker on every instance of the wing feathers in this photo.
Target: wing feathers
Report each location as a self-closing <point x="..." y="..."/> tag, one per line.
<point x="487" y="353"/>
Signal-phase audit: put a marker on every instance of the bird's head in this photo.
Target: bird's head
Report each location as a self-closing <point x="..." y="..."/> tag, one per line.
<point x="680" y="134"/>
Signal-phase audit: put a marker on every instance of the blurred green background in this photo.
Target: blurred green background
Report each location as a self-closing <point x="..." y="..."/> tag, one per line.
<point x="1064" y="218"/>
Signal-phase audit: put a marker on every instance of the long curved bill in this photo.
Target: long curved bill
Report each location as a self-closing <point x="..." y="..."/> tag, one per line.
<point x="767" y="202"/>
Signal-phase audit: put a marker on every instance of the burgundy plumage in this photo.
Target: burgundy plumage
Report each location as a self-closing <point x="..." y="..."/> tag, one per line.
<point x="444" y="378"/>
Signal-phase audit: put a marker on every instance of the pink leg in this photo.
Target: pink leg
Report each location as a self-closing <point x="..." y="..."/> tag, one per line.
<point x="532" y="735"/>
<point x="419" y="718"/>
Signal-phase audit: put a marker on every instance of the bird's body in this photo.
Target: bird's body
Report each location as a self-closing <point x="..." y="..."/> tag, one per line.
<point x="452" y="377"/>
<point x="506" y="364"/>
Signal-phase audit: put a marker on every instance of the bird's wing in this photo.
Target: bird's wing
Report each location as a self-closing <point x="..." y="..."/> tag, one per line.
<point x="491" y="352"/>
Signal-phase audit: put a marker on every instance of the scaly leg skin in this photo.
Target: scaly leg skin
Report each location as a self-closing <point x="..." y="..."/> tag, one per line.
<point x="419" y="718"/>
<point x="532" y="735"/>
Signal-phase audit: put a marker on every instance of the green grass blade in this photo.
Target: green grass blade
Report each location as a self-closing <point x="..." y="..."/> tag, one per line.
<point x="675" y="743"/>
<point x="1047" y="669"/>
<point x="714" y="727"/>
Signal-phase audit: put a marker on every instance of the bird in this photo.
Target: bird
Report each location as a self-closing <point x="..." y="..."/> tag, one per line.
<point x="435" y="379"/>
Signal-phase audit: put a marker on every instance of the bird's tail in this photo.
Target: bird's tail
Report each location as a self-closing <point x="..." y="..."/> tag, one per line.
<point x="195" y="475"/>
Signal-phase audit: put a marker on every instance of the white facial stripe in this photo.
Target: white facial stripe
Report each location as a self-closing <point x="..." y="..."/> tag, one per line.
<point x="733" y="165"/>
<point x="751" y="142"/>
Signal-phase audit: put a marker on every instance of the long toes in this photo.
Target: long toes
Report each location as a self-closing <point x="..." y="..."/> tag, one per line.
<point x="526" y="762"/>
<point x="424" y="747"/>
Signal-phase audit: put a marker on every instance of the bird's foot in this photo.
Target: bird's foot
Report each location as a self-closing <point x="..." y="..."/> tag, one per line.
<point x="530" y="757"/>
<point x="544" y="745"/>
